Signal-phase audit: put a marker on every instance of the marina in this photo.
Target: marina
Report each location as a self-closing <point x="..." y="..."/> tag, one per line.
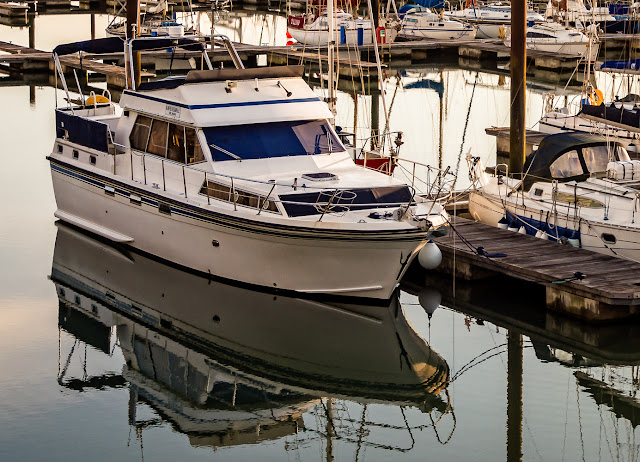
<point x="235" y="244"/>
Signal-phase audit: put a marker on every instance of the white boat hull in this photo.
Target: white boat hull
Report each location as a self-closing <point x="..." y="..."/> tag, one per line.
<point x="234" y="248"/>
<point x="356" y="37"/>
<point x="490" y="210"/>
<point x="409" y="33"/>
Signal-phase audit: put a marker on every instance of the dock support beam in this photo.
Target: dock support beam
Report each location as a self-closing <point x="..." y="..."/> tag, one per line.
<point x="518" y="85"/>
<point x="514" y="397"/>
<point x="133" y="18"/>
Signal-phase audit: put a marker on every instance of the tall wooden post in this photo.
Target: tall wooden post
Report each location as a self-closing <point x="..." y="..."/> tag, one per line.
<point x="133" y="17"/>
<point x="518" y="85"/>
<point x="514" y="397"/>
<point x="375" y="13"/>
<point x="32" y="30"/>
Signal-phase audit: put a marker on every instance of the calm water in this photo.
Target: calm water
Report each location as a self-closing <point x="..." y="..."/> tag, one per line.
<point x="111" y="356"/>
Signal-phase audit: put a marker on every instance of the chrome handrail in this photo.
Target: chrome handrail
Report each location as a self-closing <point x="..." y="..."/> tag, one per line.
<point x="264" y="200"/>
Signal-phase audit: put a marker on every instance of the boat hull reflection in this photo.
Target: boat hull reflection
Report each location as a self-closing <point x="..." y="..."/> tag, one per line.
<point x="191" y="343"/>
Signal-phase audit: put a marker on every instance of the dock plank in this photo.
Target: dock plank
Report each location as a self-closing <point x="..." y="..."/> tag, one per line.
<point x="609" y="279"/>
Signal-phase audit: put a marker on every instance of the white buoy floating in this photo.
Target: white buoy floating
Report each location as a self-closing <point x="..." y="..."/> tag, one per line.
<point x="430" y="256"/>
<point x="522" y="230"/>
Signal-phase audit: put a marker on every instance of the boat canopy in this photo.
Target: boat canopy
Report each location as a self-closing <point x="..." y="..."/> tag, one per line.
<point x="571" y="156"/>
<point x="116" y="45"/>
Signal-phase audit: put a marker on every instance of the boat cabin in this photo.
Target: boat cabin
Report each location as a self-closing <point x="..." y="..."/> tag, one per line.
<point x="250" y="138"/>
<point x="572" y="157"/>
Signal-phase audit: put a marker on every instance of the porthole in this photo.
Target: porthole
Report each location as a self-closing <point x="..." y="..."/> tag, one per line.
<point x="608" y="238"/>
<point x="60" y="148"/>
<point x="75" y="153"/>
<point x="537" y="192"/>
<point x="92" y="160"/>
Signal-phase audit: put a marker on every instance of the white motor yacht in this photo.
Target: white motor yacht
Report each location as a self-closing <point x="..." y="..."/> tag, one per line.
<point x="556" y="38"/>
<point x="313" y="29"/>
<point x="237" y="174"/>
<point x="578" y="188"/>
<point x="422" y="23"/>
<point x="493" y="19"/>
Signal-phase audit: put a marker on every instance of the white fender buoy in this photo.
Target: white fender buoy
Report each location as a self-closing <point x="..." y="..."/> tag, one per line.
<point x="513" y="227"/>
<point x="430" y="256"/>
<point x="574" y="240"/>
<point x="522" y="230"/>
<point x="541" y="234"/>
<point x="430" y="299"/>
<point x="503" y="223"/>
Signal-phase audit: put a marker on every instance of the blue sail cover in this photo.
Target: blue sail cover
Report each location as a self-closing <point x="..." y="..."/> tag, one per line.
<point x="97" y="46"/>
<point x="116" y="45"/>
<point x="434" y="4"/>
<point x="631" y="64"/>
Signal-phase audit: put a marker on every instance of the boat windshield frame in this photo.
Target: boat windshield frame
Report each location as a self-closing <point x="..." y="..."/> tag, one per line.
<point x="256" y="141"/>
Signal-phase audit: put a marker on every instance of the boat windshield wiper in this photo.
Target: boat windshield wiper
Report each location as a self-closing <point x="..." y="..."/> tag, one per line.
<point x="225" y="151"/>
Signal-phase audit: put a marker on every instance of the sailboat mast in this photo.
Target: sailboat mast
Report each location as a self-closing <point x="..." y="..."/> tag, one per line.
<point x="518" y="84"/>
<point x="330" y="54"/>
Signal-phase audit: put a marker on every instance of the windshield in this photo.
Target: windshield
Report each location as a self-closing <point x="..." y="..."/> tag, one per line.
<point x="276" y="139"/>
<point x="597" y="157"/>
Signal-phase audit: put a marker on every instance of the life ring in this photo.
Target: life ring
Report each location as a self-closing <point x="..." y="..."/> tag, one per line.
<point x="97" y="99"/>
<point x="596" y="98"/>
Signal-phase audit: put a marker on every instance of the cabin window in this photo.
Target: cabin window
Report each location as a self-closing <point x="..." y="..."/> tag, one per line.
<point x="277" y="139"/>
<point x="194" y="150"/>
<point x="566" y="166"/>
<point x="140" y="133"/>
<point x="176" y="150"/>
<point x="247" y="199"/>
<point x="164" y="139"/>
<point x="597" y="157"/>
<point x="158" y="138"/>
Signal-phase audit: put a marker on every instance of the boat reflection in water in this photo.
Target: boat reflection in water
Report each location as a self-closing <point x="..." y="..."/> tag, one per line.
<point x="227" y="365"/>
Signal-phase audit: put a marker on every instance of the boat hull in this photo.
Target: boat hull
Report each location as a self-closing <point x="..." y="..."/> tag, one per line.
<point x="490" y="210"/>
<point x="346" y="36"/>
<point x="309" y="260"/>
<point x="410" y="33"/>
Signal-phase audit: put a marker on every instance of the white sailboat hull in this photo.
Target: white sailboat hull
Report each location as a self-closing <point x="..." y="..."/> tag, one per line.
<point x="350" y="36"/>
<point x="490" y="210"/>
<point x="420" y="33"/>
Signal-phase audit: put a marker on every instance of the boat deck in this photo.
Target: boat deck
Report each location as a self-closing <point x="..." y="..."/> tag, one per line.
<point x="609" y="287"/>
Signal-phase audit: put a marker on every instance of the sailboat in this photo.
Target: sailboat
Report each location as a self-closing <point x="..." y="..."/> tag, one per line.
<point x="154" y="21"/>
<point x="313" y="27"/>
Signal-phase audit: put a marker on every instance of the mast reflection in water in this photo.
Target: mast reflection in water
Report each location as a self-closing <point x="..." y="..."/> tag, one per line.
<point x="226" y="365"/>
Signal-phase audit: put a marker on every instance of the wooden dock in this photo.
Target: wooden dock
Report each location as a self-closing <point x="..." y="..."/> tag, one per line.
<point x="589" y="285"/>
<point x="21" y="58"/>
